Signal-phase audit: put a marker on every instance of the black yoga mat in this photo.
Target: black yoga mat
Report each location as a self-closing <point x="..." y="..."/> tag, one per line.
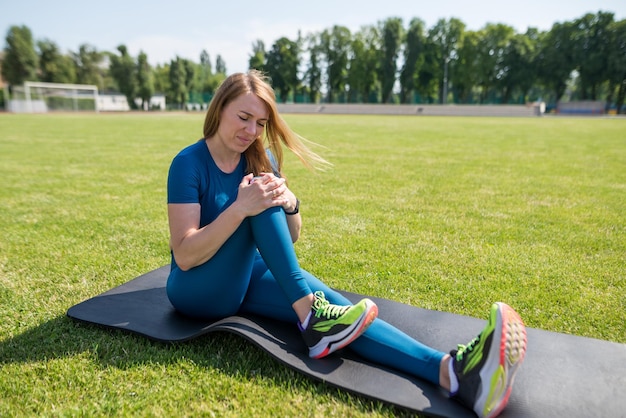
<point x="563" y="375"/>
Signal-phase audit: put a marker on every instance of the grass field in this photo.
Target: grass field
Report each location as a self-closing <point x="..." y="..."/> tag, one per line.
<point x="442" y="213"/>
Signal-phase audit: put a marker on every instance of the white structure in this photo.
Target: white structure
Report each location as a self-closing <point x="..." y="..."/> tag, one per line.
<point x="113" y="103"/>
<point x="40" y="97"/>
<point x="157" y="102"/>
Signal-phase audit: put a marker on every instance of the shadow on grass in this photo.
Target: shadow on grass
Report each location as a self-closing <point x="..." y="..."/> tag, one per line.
<point x="62" y="337"/>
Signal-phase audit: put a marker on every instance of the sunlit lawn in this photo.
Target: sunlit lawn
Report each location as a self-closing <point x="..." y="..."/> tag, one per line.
<point x="443" y="213"/>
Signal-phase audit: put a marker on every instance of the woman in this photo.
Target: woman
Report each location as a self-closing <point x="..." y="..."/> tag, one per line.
<point x="233" y="222"/>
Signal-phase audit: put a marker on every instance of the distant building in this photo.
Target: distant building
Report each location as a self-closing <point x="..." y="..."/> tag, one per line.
<point x="157" y="102"/>
<point x="115" y="102"/>
<point x="112" y="103"/>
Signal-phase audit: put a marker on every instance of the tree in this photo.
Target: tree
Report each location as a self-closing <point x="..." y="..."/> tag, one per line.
<point x="190" y="75"/>
<point x="87" y="63"/>
<point x="257" y="60"/>
<point x="205" y="80"/>
<point x="161" y="76"/>
<point x="282" y="67"/>
<point x="313" y="74"/>
<point x="413" y="58"/>
<point x="54" y="67"/>
<point x="124" y="72"/>
<point x="493" y="43"/>
<point x="617" y="64"/>
<point x="556" y="58"/>
<point x="427" y="76"/>
<point x="364" y="64"/>
<point x="445" y="38"/>
<point x="20" y="59"/>
<point x="519" y="68"/>
<point x="177" y="76"/>
<point x="392" y="33"/>
<point x="465" y="71"/>
<point x="591" y="51"/>
<point x="145" y="80"/>
<point x="220" y="65"/>
<point x="335" y="45"/>
<point x="205" y="63"/>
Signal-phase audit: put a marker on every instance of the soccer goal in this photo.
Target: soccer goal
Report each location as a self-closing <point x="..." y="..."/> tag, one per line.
<point x="40" y="97"/>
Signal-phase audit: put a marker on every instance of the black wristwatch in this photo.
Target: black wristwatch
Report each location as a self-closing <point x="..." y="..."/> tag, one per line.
<point x="296" y="209"/>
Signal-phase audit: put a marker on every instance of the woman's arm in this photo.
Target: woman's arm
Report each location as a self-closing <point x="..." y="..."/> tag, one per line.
<point x="294" y="221"/>
<point x="192" y="245"/>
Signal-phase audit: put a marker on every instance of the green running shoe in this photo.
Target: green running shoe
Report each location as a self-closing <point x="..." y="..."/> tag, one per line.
<point x="332" y="327"/>
<point x="486" y="366"/>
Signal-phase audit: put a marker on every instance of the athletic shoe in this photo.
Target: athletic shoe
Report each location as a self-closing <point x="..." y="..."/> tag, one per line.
<point x="332" y="327"/>
<point x="486" y="366"/>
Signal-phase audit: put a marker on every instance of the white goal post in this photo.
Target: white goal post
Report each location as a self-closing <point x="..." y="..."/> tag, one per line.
<point x="41" y="97"/>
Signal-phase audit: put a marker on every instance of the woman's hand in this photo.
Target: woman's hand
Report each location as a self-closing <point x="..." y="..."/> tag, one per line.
<point x="259" y="193"/>
<point x="281" y="191"/>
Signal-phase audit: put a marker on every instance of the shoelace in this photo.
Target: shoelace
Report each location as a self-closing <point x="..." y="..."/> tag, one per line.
<point x="462" y="349"/>
<point x="324" y="308"/>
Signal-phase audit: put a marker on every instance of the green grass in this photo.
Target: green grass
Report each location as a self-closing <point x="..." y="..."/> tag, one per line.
<point x="443" y="213"/>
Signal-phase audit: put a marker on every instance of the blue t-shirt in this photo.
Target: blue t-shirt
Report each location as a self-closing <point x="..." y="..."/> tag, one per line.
<point x="195" y="178"/>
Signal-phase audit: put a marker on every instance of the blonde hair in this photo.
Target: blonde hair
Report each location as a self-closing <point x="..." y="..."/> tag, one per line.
<point x="276" y="133"/>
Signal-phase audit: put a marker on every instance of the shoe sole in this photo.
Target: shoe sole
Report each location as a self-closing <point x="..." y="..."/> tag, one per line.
<point x="506" y="354"/>
<point x="351" y="334"/>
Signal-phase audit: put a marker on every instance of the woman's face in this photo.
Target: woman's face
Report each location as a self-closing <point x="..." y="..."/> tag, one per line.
<point x="242" y="121"/>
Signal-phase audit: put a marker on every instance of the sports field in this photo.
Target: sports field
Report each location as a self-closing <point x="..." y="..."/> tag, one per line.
<point x="443" y="213"/>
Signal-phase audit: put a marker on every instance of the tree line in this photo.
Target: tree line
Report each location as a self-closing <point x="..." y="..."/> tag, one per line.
<point x="582" y="59"/>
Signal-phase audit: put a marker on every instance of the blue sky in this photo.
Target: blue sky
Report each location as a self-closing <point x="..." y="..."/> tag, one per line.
<point x="166" y="29"/>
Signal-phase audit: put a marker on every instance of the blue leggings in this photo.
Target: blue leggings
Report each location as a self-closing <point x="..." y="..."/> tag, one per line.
<point x="268" y="281"/>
